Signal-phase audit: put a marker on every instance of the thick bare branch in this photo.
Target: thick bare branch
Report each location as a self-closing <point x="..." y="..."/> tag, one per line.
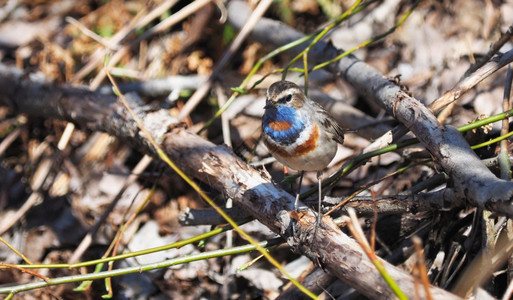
<point x="250" y="189"/>
<point x="363" y="205"/>
<point x="473" y="181"/>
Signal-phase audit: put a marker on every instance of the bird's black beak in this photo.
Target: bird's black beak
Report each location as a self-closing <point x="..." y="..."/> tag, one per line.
<point x="268" y="104"/>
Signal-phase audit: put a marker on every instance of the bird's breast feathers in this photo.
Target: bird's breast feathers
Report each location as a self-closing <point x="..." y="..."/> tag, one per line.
<point x="279" y="125"/>
<point x="310" y="152"/>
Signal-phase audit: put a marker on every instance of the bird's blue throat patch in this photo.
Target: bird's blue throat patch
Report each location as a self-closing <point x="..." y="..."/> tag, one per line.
<point x="282" y="125"/>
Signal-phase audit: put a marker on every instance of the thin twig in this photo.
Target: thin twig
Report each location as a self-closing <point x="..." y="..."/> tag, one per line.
<point x="11" y="266"/>
<point x="87" y="240"/>
<point x="357" y="232"/>
<point x="137" y="269"/>
<point x="236" y="43"/>
<point x="15" y="251"/>
<point x="483" y="266"/>
<point x="32" y="200"/>
<point x="104" y="42"/>
<point x="504" y="163"/>
<point x="140" y="20"/>
<point x="421" y="265"/>
<point x="160" y="27"/>
<point x="505" y="37"/>
<point x="469" y="82"/>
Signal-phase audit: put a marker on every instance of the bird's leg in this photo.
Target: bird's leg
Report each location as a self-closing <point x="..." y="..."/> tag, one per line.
<point x="298" y="191"/>
<point x="319" y="212"/>
<point x="296" y="203"/>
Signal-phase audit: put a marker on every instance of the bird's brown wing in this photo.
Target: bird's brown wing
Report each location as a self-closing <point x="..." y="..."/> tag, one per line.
<point x="329" y="123"/>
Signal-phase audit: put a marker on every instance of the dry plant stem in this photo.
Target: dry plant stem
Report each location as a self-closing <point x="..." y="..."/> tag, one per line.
<point x="138" y="21"/>
<point x="421" y="265"/>
<point x="158" y="86"/>
<point x="165" y="24"/>
<point x="400" y="204"/>
<point x="357" y="232"/>
<point x="195" y="217"/>
<point x="104" y="42"/>
<point x="39" y="177"/>
<point x="483" y="266"/>
<point x="98" y="56"/>
<point x="234" y="46"/>
<point x="215" y="165"/>
<point x="478" y="185"/>
<point x="509" y="269"/>
<point x="444" y="104"/>
<point x="509" y="292"/>
<point x="86" y="241"/>
<point x="225" y="121"/>
<point x="25" y="259"/>
<point x="367" y="186"/>
<point x="6" y="224"/>
<point x="467" y="83"/>
<point x="136" y="269"/>
<point x="366" y="206"/>
<point x="33" y="273"/>
<point x="493" y="49"/>
<point x="446" y="112"/>
<point x="315" y="281"/>
<point x="6" y="142"/>
<point x="504" y="163"/>
<point x="225" y="125"/>
<point x="66" y="136"/>
<point x="374" y="221"/>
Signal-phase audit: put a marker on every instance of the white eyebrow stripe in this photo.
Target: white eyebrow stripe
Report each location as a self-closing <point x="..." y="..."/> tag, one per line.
<point x="284" y="93"/>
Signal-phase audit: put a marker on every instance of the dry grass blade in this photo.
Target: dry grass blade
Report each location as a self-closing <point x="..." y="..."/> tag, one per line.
<point x="421" y="266"/>
<point x="480" y="270"/>
<point x="165" y="24"/>
<point x="87" y="240"/>
<point x="356" y="231"/>
<point x="11" y="266"/>
<point x="245" y="30"/>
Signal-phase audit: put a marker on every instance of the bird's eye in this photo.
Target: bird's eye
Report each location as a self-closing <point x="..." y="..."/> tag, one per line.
<point x="285" y="98"/>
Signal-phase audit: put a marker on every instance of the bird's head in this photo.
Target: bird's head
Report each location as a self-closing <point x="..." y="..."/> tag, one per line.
<point x="284" y="94"/>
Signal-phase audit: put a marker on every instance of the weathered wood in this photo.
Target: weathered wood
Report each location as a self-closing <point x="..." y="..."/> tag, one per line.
<point x="216" y="165"/>
<point x="476" y="185"/>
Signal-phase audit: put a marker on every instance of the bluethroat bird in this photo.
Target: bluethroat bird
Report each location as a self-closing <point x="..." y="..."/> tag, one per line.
<point x="299" y="133"/>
